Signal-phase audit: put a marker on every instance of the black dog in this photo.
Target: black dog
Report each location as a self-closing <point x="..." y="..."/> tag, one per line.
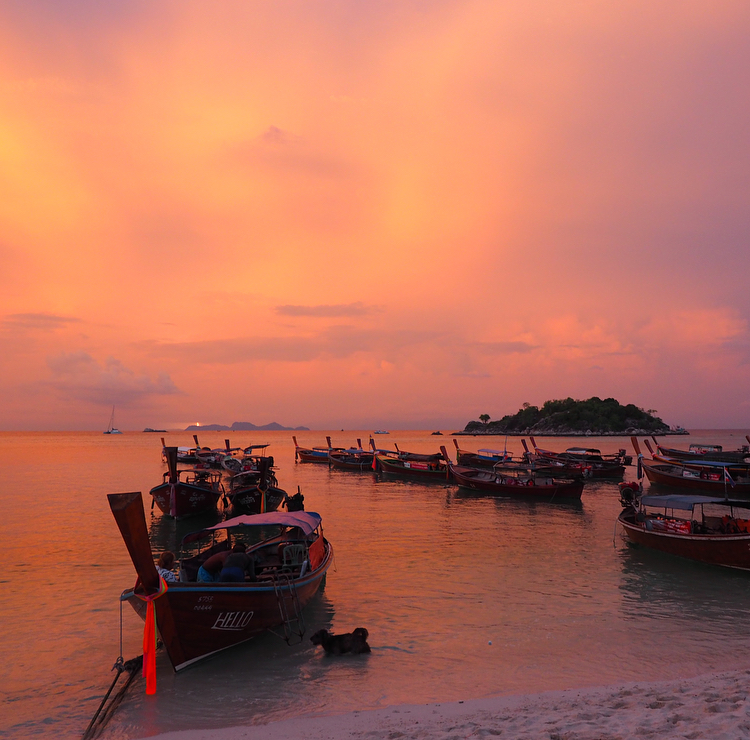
<point x="351" y="642"/>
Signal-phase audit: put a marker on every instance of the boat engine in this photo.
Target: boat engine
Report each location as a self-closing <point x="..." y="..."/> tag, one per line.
<point x="630" y="493"/>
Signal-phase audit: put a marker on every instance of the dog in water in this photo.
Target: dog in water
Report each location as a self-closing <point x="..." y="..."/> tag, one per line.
<point x="351" y="642"/>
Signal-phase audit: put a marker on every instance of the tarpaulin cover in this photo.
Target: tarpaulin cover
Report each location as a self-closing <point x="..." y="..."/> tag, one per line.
<point x="679" y="502"/>
<point x="307" y="521"/>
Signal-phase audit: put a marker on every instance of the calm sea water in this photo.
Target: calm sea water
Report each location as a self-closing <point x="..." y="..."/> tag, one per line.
<point x="464" y="596"/>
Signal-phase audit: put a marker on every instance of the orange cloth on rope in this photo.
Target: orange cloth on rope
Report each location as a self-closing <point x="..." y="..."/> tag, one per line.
<point x="149" y="635"/>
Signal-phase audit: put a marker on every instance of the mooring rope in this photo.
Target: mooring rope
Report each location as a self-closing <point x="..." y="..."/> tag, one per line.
<point x="100" y="719"/>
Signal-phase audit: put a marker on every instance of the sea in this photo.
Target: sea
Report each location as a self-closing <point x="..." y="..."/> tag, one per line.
<point x="464" y="596"/>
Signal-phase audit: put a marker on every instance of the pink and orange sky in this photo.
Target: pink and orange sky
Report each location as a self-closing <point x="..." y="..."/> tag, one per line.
<point x="372" y="214"/>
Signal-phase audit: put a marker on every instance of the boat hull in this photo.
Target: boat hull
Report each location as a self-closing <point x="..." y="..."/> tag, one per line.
<point x="482" y="480"/>
<point x="412" y="469"/>
<point x="310" y="456"/>
<point x="351" y="462"/>
<point x="180" y="500"/>
<point x="728" y="550"/>
<point x="666" y="474"/>
<point x="197" y="620"/>
<point x="252" y="500"/>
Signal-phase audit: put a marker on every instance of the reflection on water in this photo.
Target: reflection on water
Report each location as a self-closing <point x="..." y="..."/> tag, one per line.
<point x="500" y="595"/>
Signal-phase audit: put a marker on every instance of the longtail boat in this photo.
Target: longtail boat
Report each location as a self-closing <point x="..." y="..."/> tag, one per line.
<point x="484" y="458"/>
<point x="414" y="464"/>
<point x="196" y="619"/>
<point x="713" y="478"/>
<point x="709" y="529"/>
<point x="187" y="492"/>
<point x="596" y="464"/>
<point x="522" y="484"/>
<point x="248" y="460"/>
<point x="355" y="458"/>
<point x="255" y="491"/>
<point x="312" y="454"/>
<point x="698" y="453"/>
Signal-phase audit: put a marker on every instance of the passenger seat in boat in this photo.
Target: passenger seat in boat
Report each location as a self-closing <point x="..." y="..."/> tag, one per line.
<point x="292" y="557"/>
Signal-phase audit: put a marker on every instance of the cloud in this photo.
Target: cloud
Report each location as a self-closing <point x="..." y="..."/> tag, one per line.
<point x="501" y="348"/>
<point x="80" y="376"/>
<point x="336" y="310"/>
<point x="336" y="342"/>
<point x="275" y="135"/>
<point x="41" y="321"/>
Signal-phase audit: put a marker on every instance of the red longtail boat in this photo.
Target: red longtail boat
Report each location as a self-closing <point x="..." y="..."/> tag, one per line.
<point x="197" y="619"/>
<point x="712" y="530"/>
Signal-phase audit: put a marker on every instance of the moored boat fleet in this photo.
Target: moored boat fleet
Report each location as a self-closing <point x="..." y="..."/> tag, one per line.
<point x="537" y="474"/>
<point x="697" y="507"/>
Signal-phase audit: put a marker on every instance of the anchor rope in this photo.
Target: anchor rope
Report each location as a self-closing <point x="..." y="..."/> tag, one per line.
<point x="100" y="718"/>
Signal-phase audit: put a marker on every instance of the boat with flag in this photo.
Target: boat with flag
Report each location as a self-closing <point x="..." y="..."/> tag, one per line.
<point x="698" y="453"/>
<point x="196" y="619"/>
<point x="707" y="477"/>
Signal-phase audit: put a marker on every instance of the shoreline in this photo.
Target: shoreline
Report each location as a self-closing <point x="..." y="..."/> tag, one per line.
<point x="712" y="706"/>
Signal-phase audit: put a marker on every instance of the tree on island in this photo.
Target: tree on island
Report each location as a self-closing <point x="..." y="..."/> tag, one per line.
<point x="484" y="418"/>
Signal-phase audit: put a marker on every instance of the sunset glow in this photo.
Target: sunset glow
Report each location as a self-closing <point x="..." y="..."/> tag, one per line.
<point x="372" y="215"/>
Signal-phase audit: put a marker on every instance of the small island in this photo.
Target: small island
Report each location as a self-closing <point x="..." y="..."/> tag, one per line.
<point x="244" y="426"/>
<point x="571" y="418"/>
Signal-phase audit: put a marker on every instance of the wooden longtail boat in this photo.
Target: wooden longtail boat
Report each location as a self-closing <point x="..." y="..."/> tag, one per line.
<point x="716" y="479"/>
<point x="709" y="529"/>
<point x="414" y="464"/>
<point x="699" y="453"/>
<point x="705" y="468"/>
<point x="255" y="491"/>
<point x="355" y="458"/>
<point x="705" y="457"/>
<point x="484" y="458"/>
<point x="522" y="485"/>
<point x="195" y="619"/>
<point x="595" y="464"/>
<point x="186" y="492"/>
<point x="312" y="454"/>
<point x="249" y="460"/>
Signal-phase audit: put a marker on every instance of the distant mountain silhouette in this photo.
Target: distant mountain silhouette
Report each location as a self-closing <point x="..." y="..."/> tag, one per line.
<point x="244" y="426"/>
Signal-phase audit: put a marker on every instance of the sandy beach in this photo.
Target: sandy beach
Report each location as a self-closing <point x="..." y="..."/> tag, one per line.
<point x="712" y="706"/>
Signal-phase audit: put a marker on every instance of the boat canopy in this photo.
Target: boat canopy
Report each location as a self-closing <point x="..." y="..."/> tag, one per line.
<point x="584" y="451"/>
<point x="307" y="521"/>
<point x="676" y="501"/>
<point x="487" y="451"/>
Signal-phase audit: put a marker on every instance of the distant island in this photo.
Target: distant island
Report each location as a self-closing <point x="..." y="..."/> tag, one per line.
<point x="244" y="426"/>
<point x="571" y="418"/>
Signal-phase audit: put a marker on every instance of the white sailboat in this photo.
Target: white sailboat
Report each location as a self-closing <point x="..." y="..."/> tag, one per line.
<point x="111" y="429"/>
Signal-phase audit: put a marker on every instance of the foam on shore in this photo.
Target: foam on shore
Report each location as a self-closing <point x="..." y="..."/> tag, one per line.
<point x="714" y="706"/>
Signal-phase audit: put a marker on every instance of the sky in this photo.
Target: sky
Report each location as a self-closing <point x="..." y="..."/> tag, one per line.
<point x="396" y="214"/>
